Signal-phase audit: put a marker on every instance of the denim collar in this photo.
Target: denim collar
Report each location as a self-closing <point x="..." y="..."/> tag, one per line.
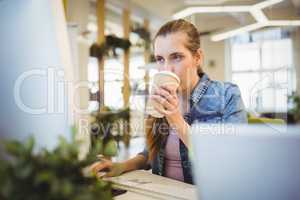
<point x="200" y="89"/>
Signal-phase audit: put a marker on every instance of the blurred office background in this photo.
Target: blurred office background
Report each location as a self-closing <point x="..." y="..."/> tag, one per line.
<point x="253" y="43"/>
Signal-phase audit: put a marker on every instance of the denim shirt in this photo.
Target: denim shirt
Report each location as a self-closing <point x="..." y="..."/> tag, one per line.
<point x="210" y="102"/>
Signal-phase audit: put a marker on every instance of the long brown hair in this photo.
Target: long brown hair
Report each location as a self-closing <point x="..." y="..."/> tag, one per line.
<point x="157" y="128"/>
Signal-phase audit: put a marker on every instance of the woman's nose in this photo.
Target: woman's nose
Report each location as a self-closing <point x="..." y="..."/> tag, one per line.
<point x="167" y="67"/>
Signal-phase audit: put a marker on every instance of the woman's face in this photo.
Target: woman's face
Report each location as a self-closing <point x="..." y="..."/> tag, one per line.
<point x="172" y="55"/>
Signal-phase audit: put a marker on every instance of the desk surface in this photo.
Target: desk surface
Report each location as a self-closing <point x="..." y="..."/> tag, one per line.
<point x="134" y="196"/>
<point x="141" y="184"/>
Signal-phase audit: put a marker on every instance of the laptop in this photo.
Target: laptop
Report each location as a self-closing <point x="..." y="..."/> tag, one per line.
<point x="246" y="162"/>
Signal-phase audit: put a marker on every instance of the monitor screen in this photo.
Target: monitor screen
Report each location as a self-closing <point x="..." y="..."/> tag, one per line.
<point x="34" y="60"/>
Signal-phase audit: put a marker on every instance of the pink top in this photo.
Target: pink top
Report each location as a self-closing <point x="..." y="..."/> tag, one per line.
<point x="173" y="168"/>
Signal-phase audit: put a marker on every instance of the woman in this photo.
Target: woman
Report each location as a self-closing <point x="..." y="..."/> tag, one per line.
<point x="177" y="49"/>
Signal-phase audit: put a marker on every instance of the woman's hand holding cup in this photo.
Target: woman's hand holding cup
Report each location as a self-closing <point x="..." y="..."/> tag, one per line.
<point x="166" y="100"/>
<point x="163" y="101"/>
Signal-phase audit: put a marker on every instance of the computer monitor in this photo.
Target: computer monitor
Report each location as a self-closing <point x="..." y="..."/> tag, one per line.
<point x="234" y="162"/>
<point x="35" y="62"/>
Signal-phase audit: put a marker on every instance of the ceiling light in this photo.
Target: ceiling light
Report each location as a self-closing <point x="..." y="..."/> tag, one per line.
<point x="259" y="15"/>
<point x="266" y="3"/>
<point x="244" y="29"/>
<point x="214" y="9"/>
<point x="252" y="27"/>
<point x="210" y="9"/>
<point x="255" y="10"/>
<point x="204" y="2"/>
<point x="284" y="23"/>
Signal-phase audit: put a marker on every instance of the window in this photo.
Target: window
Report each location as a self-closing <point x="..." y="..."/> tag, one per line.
<point x="262" y="67"/>
<point x="113" y="82"/>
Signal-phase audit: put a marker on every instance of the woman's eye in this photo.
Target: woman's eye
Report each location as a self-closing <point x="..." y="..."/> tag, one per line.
<point x="177" y="57"/>
<point x="159" y="60"/>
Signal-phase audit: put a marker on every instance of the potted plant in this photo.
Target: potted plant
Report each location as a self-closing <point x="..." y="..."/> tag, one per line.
<point x="49" y="175"/>
<point x="102" y="136"/>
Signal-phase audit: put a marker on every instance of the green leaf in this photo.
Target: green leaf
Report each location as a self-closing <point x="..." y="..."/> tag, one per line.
<point x="67" y="188"/>
<point x="7" y="189"/>
<point x="62" y="141"/>
<point x="48" y="175"/>
<point x="43" y="177"/>
<point x="14" y="148"/>
<point x="74" y="131"/>
<point x="30" y="144"/>
<point x="98" y="146"/>
<point x="110" y="148"/>
<point x="24" y="172"/>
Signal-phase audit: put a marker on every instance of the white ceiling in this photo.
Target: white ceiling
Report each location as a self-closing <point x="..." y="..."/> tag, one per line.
<point x="160" y="11"/>
<point x="166" y="8"/>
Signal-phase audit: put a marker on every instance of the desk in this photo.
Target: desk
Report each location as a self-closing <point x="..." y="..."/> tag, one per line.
<point x="141" y="184"/>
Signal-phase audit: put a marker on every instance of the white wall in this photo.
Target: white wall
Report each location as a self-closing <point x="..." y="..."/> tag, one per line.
<point x="77" y="16"/>
<point x="214" y="52"/>
<point x="77" y="12"/>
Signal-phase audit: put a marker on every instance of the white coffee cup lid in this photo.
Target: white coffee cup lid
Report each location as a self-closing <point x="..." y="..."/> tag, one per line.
<point x="169" y="74"/>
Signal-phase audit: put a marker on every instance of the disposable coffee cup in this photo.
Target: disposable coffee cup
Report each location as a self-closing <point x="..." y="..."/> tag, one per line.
<point x="162" y="78"/>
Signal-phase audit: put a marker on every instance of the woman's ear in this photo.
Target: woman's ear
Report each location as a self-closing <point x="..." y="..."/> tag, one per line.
<point x="199" y="56"/>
